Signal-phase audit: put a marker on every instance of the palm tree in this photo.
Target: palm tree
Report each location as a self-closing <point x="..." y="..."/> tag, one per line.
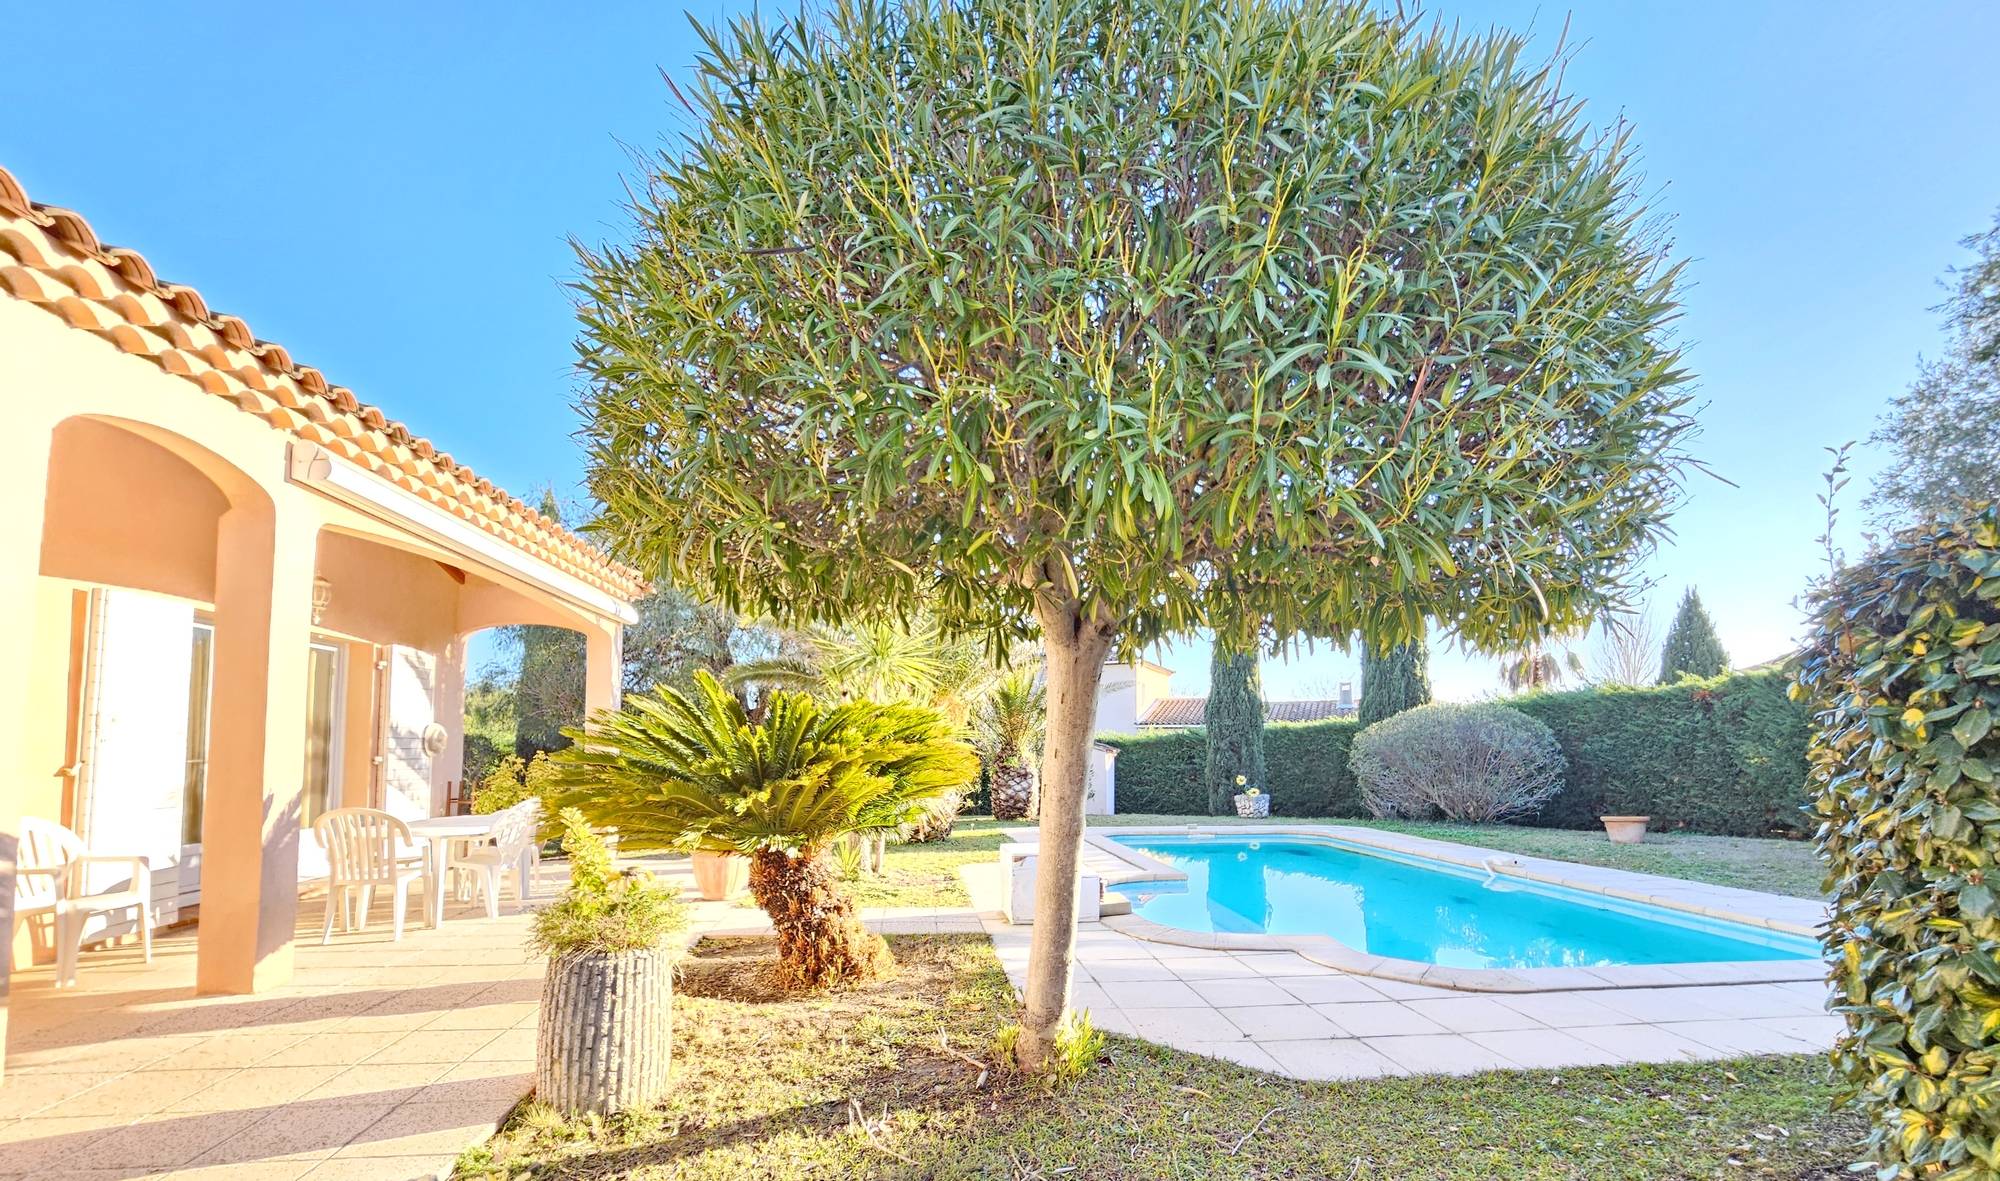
<point x="1010" y="730"/>
<point x="692" y="770"/>
<point x="1535" y="668"/>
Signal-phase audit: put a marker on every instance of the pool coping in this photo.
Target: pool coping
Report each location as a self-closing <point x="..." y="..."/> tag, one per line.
<point x="1794" y="916"/>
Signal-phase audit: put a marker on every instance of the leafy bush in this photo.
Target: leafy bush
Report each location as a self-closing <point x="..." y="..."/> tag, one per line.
<point x="1723" y="756"/>
<point x="1480" y="763"/>
<point x="481" y="755"/>
<point x="603" y="910"/>
<point x="513" y="779"/>
<point x="1903" y="675"/>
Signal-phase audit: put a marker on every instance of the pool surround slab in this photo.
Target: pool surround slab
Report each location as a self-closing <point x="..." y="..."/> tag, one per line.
<point x="1792" y="916"/>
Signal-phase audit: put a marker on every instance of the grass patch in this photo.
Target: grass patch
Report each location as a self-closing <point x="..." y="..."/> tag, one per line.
<point x="927" y="874"/>
<point x="875" y="1082"/>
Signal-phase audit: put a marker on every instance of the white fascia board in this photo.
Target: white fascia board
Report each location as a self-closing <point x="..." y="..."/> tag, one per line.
<point x="312" y="466"/>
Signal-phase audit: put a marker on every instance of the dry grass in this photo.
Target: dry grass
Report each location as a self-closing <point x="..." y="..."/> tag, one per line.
<point x="890" y="1080"/>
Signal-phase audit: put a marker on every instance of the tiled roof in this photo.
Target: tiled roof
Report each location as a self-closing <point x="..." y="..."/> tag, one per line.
<point x="1179" y="712"/>
<point x="50" y="257"/>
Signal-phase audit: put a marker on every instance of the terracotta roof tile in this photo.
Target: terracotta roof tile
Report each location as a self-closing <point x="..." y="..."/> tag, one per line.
<point x="1181" y="712"/>
<point x="50" y="257"/>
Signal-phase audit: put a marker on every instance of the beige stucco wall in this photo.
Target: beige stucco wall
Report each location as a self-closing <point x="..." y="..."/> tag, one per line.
<point x="148" y="482"/>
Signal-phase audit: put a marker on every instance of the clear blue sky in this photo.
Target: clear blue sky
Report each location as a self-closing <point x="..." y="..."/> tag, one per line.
<point x="387" y="190"/>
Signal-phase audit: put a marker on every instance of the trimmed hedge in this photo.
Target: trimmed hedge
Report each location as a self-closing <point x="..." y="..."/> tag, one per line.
<point x="1723" y="756"/>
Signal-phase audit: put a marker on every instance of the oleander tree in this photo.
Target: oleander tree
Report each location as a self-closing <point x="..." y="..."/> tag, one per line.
<point x="1105" y="322"/>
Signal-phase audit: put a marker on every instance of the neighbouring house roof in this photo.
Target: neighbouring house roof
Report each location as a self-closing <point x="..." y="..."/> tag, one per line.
<point x="50" y="257"/>
<point x="1180" y="712"/>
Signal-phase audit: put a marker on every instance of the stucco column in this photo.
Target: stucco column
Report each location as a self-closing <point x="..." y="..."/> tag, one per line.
<point x="603" y="667"/>
<point x="448" y="767"/>
<point x="23" y="490"/>
<point x="256" y="760"/>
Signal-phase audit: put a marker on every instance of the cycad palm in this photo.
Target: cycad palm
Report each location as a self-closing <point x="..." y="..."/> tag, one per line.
<point x="1011" y="727"/>
<point x="692" y="770"/>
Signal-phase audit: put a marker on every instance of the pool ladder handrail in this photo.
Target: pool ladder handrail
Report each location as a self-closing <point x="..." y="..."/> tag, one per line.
<point x="1492" y="867"/>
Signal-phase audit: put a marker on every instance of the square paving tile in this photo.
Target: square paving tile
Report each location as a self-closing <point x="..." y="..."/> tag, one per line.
<point x="168" y="1141"/>
<point x="1377" y="1018"/>
<point x="1331" y="1060"/>
<point x="1631" y="1042"/>
<point x="142" y="1092"/>
<point x="1536" y="1048"/>
<point x="1290" y="1023"/>
<point x="1562" y="1010"/>
<point x="1242" y="993"/>
<point x="1242" y="1053"/>
<point x="435" y="1045"/>
<point x="1183" y="1026"/>
<point x="1206" y="965"/>
<point x="1125" y="971"/>
<point x="418" y="1127"/>
<point x="257" y="1087"/>
<point x="1741" y="1037"/>
<point x="303" y="1129"/>
<point x="1152" y="994"/>
<point x="1331" y="989"/>
<point x="1438" y="1053"/>
<point x="1472" y="1014"/>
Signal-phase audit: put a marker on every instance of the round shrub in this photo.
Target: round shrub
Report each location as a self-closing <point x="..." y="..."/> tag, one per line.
<point x="1903" y="676"/>
<point x="1479" y="763"/>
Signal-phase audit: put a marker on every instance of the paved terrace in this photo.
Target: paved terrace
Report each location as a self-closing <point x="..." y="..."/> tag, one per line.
<point x="380" y="1061"/>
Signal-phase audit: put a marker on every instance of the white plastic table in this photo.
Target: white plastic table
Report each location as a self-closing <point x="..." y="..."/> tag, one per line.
<point x="441" y="831"/>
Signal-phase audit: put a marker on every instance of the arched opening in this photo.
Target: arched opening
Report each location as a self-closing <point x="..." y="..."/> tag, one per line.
<point x="118" y="730"/>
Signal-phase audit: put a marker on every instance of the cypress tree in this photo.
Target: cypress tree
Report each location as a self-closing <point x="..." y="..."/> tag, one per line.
<point x="1235" y="724"/>
<point x="1692" y="648"/>
<point x="1394" y="681"/>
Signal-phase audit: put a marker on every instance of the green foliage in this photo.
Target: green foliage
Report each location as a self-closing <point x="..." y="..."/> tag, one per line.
<point x="1943" y="432"/>
<point x="481" y="756"/>
<point x="513" y="779"/>
<point x="1692" y="648"/>
<point x="691" y="770"/>
<point x="1233" y="727"/>
<point x="602" y="910"/>
<point x="1725" y="756"/>
<point x="1393" y="681"/>
<point x="1305" y="770"/>
<point x="1011" y="722"/>
<point x="1079" y="1045"/>
<point x="1480" y="762"/>
<point x="1903" y="675"/>
<point x="1055" y="311"/>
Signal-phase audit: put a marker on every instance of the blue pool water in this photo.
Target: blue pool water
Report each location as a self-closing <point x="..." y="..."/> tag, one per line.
<point x="1430" y="911"/>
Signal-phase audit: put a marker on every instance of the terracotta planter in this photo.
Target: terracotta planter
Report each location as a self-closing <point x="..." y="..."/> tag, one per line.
<point x="1625" y="830"/>
<point x="720" y="876"/>
<point x="1257" y="805"/>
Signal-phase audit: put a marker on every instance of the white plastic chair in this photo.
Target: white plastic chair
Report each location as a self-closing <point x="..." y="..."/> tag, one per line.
<point x="512" y="845"/>
<point x="52" y="878"/>
<point x="366" y="848"/>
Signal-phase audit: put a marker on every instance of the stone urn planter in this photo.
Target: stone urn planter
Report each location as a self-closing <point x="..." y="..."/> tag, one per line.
<point x="1625" y="830"/>
<point x="720" y="876"/>
<point x="1253" y="804"/>
<point x="606" y="1036"/>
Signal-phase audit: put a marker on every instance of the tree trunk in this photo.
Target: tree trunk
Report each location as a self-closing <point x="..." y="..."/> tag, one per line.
<point x="820" y="937"/>
<point x="606" y="1036"/>
<point x="1074" y="652"/>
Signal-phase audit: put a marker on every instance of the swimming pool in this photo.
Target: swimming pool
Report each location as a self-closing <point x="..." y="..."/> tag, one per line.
<point x="1415" y="908"/>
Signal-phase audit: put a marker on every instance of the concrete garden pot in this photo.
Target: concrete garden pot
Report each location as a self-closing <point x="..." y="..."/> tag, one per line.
<point x="720" y="876"/>
<point x="1625" y="830"/>
<point x="606" y="1036"/>
<point x="1257" y="805"/>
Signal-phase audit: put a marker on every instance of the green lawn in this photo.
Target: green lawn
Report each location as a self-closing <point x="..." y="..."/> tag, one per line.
<point x="926" y="875"/>
<point x="870" y="1082"/>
